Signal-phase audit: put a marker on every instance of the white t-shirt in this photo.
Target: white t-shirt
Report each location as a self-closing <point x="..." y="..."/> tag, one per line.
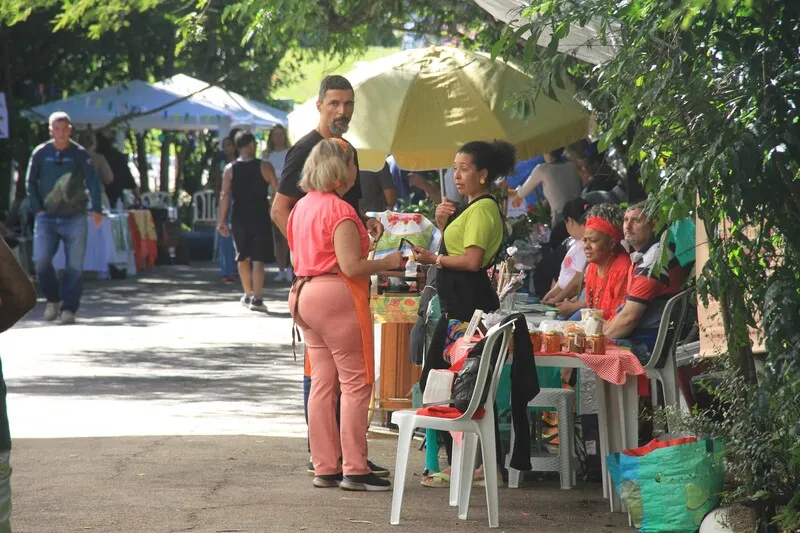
<point x="574" y="262"/>
<point x="560" y="181"/>
<point x="278" y="158"/>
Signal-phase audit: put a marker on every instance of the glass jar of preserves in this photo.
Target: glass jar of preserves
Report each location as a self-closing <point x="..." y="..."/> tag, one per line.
<point x="536" y="341"/>
<point x="551" y="342"/>
<point x="576" y="342"/>
<point x="596" y="344"/>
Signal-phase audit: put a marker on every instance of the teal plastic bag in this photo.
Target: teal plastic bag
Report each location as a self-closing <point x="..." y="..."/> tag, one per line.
<point x="669" y="489"/>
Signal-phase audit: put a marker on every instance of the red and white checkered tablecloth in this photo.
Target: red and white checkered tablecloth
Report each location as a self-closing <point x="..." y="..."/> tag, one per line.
<point x="613" y="366"/>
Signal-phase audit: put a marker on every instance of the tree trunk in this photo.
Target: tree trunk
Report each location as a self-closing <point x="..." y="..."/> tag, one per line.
<point x="180" y="152"/>
<point x="731" y="303"/>
<point x="141" y="161"/>
<point x="165" y="152"/>
<point x="169" y="71"/>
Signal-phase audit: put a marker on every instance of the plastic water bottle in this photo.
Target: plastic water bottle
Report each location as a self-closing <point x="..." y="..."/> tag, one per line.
<point x="118" y="208"/>
<point x="411" y="268"/>
<point x="373" y="285"/>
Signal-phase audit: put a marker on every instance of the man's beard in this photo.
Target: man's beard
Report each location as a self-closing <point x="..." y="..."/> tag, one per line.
<point x="339" y="127"/>
<point x="633" y="242"/>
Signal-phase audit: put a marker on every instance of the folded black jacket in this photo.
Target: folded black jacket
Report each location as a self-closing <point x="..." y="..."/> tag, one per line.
<point x="524" y="388"/>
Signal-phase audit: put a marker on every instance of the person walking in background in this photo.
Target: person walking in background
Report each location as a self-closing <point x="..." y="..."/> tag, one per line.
<point x="560" y="181"/>
<point x="335" y="103"/>
<point x="246" y="181"/>
<point x="59" y="173"/>
<point x="17" y="297"/>
<point x="123" y="179"/>
<point x="277" y="147"/>
<point x="227" y="257"/>
<point x="88" y="140"/>
<point x="330" y="303"/>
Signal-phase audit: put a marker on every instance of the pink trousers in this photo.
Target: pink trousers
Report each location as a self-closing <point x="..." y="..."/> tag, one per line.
<point x="327" y="316"/>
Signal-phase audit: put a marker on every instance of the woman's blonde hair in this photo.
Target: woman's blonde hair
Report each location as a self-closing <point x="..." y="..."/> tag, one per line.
<point x="327" y="166"/>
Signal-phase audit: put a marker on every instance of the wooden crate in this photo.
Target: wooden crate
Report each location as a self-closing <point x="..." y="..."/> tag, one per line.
<point x="397" y="374"/>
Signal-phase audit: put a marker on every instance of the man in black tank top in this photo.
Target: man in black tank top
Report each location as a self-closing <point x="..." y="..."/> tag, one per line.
<point x="247" y="181"/>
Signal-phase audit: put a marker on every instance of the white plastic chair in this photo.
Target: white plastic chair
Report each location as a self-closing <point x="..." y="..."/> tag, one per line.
<point x="566" y="461"/>
<point x="662" y="366"/>
<point x="156" y="199"/>
<point x="206" y="212"/>
<point x="475" y="431"/>
<point x="205" y="207"/>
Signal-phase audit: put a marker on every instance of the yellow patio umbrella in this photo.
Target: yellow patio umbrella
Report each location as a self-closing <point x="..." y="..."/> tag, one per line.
<point x="421" y="105"/>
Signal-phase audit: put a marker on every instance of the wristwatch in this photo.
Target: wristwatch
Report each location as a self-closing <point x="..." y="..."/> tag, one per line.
<point x="438" y="260"/>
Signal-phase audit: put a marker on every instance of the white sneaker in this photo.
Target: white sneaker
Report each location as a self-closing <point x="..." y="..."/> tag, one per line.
<point x="289" y="274"/>
<point x="278" y="276"/>
<point x="51" y="311"/>
<point x="67" y="317"/>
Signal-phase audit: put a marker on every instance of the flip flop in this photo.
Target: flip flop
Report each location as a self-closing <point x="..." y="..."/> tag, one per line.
<point x="436" y="481"/>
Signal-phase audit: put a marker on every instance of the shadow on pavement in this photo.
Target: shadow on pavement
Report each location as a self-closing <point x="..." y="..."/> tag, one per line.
<point x="229" y="372"/>
<point x="152" y="296"/>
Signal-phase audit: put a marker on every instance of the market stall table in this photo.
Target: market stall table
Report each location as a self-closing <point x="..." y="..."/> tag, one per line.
<point x="617" y="400"/>
<point x="394" y="316"/>
<point x="109" y="244"/>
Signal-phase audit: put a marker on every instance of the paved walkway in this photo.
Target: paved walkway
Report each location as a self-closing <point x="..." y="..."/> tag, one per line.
<point x="170" y="408"/>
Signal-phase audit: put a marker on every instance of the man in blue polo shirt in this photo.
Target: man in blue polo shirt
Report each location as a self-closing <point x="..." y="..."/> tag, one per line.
<point x="59" y="173"/>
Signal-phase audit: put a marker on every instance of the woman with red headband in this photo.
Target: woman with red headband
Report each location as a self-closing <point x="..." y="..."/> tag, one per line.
<point x="606" y="277"/>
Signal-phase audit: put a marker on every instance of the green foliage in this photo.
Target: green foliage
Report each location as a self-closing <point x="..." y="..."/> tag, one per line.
<point x="426" y="207"/>
<point x="702" y="97"/>
<point x="299" y="81"/>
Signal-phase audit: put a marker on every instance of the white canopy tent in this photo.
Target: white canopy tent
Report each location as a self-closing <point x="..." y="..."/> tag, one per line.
<point x="245" y="112"/>
<point x="99" y="108"/>
<point x="582" y="42"/>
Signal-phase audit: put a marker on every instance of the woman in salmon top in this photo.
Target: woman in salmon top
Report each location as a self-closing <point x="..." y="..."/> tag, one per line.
<point x="329" y="300"/>
<point x="606" y="278"/>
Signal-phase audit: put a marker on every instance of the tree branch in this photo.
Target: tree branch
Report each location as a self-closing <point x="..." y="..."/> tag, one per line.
<point x="356" y="16"/>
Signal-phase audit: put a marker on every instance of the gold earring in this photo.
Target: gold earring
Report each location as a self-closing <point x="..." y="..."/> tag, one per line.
<point x="483" y="181"/>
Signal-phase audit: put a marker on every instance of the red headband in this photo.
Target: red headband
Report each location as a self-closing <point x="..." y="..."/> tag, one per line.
<point x="604" y="226"/>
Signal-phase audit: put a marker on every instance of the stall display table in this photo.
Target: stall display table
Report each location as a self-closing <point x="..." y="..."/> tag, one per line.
<point x="110" y="244"/>
<point x="616" y="376"/>
<point x="395" y="375"/>
<point x="617" y="402"/>
<point x="144" y="238"/>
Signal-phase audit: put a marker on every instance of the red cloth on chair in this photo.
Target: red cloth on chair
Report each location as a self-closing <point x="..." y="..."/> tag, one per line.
<point x="443" y="411"/>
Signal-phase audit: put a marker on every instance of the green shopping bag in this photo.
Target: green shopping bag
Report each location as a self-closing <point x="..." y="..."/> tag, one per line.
<point x="670" y="486"/>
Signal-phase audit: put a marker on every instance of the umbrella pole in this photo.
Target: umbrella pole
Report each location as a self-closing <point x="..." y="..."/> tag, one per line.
<point x="441" y="184"/>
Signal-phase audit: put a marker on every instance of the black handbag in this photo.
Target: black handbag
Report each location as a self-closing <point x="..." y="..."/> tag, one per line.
<point x="465" y="381"/>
